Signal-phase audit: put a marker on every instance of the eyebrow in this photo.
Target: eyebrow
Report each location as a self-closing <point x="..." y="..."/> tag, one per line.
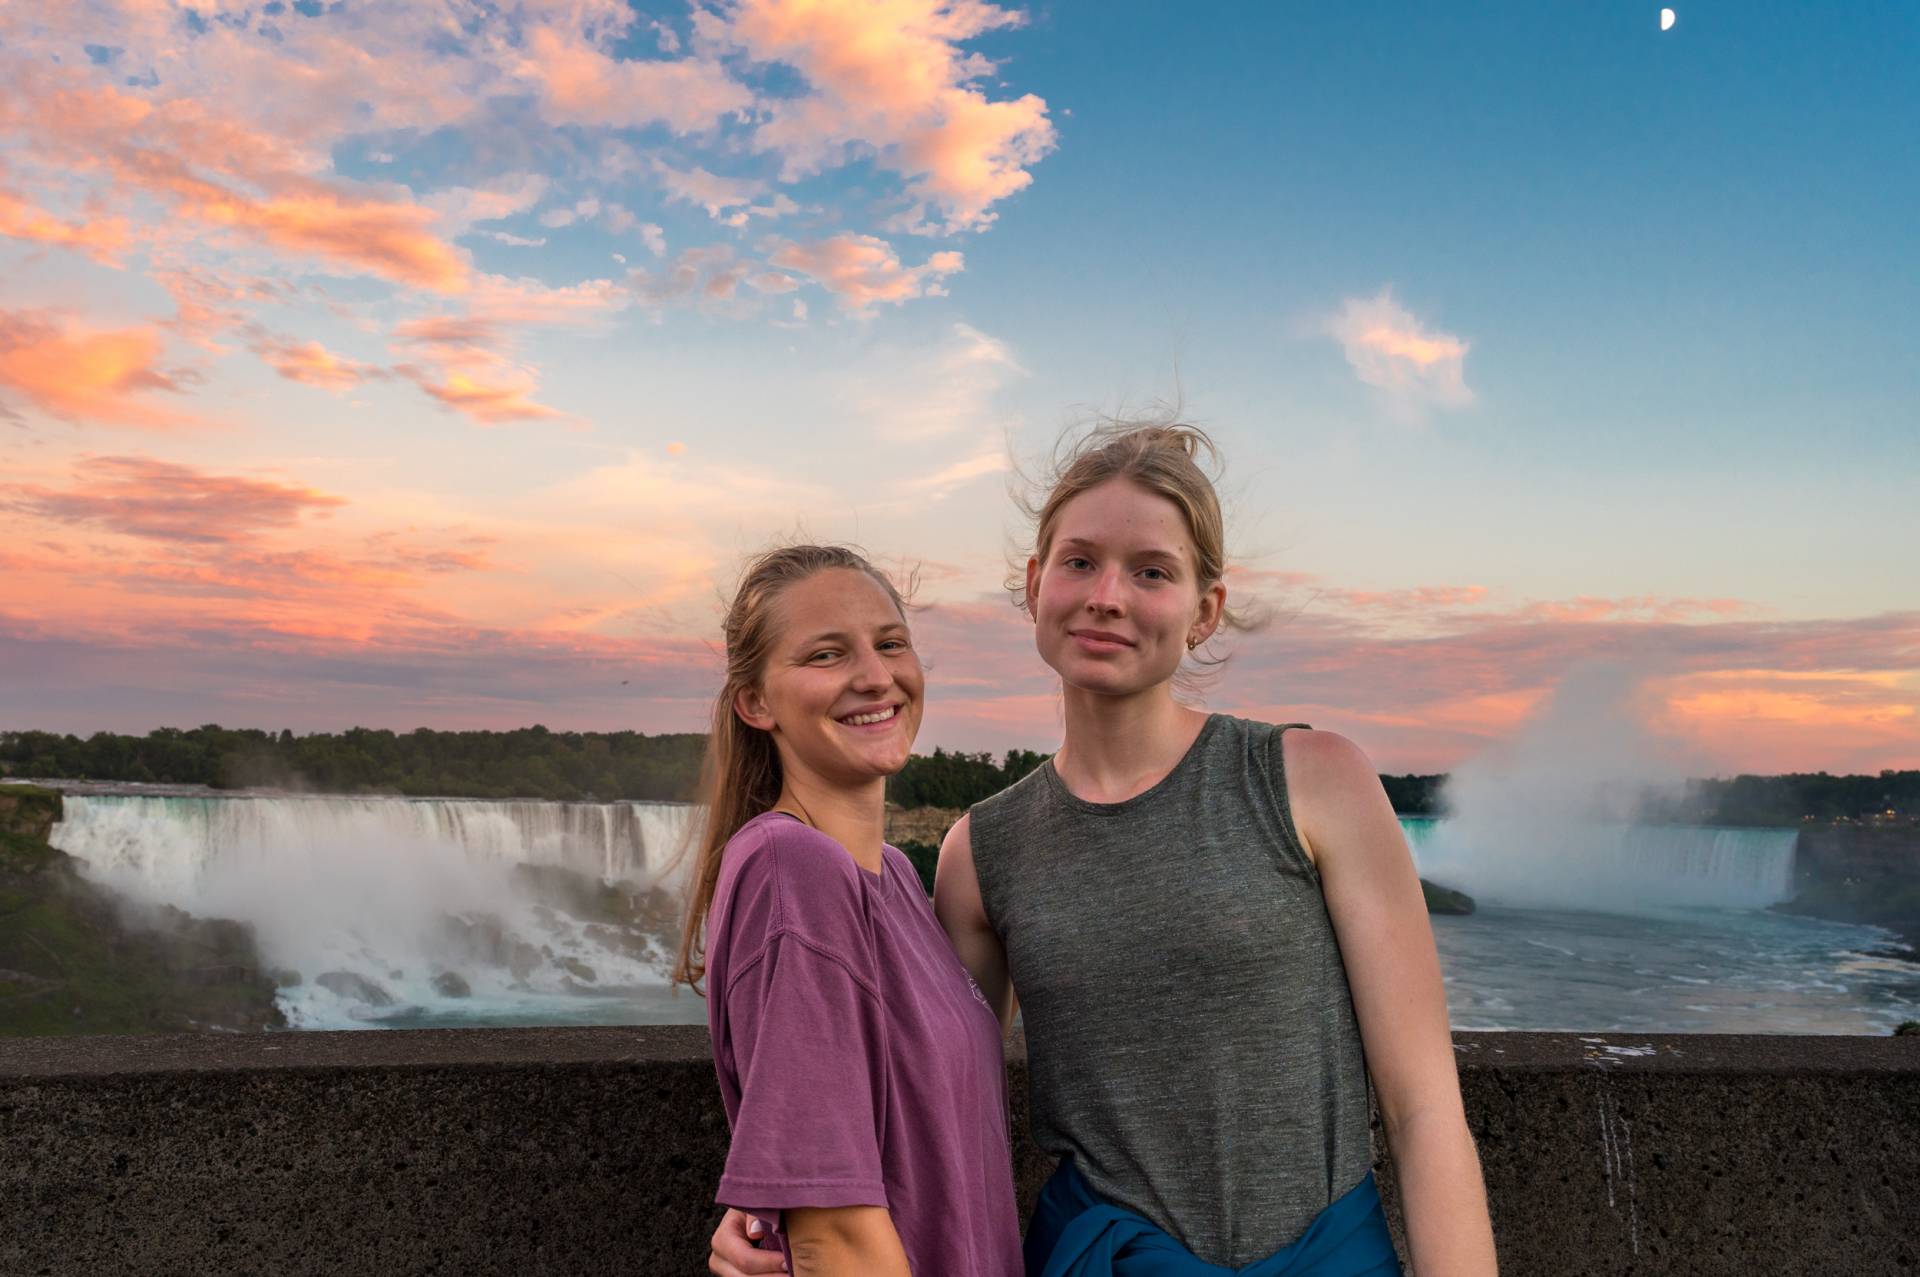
<point x="1081" y="543"/>
<point x="840" y="636"/>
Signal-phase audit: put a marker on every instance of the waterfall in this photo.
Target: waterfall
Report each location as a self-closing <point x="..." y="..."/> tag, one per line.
<point x="1606" y="867"/>
<point x="392" y="910"/>
<point x="169" y="842"/>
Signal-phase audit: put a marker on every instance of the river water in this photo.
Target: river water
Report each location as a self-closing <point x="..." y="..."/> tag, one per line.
<point x="387" y="912"/>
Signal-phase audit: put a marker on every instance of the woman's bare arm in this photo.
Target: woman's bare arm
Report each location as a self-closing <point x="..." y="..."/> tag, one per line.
<point x="957" y="903"/>
<point x="845" y="1241"/>
<point x="1380" y="918"/>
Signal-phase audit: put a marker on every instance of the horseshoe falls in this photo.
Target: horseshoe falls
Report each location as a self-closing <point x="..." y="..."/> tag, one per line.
<point x="1606" y="867"/>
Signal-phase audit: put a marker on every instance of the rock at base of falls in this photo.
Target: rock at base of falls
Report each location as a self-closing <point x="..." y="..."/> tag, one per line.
<point x="1445" y="900"/>
<point x="77" y="958"/>
<point x="451" y="984"/>
<point x="579" y="970"/>
<point x="348" y="985"/>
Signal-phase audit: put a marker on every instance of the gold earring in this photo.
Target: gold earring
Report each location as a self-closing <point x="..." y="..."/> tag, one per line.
<point x="1192" y="642"/>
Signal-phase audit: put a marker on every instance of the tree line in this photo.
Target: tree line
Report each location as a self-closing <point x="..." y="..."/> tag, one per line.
<point x="530" y="762"/>
<point x="533" y="762"/>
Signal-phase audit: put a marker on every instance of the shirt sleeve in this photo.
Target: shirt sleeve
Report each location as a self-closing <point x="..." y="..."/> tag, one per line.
<point x="807" y="1040"/>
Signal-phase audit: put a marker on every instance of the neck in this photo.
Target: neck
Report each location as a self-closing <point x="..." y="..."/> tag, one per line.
<point x="853" y="816"/>
<point x="1119" y="746"/>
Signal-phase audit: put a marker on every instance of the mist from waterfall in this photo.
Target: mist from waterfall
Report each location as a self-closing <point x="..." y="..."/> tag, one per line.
<point x="398" y="911"/>
<point x="1550" y="819"/>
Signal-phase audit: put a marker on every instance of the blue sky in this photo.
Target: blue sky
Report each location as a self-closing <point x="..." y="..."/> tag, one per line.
<point x="470" y="347"/>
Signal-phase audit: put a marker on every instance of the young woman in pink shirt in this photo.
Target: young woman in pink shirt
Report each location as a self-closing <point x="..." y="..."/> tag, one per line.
<point x="859" y="1064"/>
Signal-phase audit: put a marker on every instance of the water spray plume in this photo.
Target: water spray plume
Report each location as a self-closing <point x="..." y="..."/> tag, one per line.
<point x="1554" y="817"/>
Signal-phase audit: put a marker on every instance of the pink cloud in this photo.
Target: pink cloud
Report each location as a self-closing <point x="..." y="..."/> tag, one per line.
<point x="84" y="375"/>
<point x="224" y="174"/>
<point x="313" y="364"/>
<point x="863" y="269"/>
<point x="1414" y="368"/>
<point x="101" y="238"/>
<point x="162" y="501"/>
<point x="581" y="84"/>
<point x="494" y="397"/>
<point x="888" y="78"/>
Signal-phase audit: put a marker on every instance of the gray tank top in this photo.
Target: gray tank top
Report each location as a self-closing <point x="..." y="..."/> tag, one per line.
<point x="1191" y="1039"/>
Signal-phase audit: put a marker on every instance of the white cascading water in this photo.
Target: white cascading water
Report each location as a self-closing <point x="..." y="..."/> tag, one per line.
<point x="1607" y="867"/>
<point x="413" y="910"/>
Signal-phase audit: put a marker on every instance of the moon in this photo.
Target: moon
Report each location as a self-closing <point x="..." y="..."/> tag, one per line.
<point x="1666" y="19"/>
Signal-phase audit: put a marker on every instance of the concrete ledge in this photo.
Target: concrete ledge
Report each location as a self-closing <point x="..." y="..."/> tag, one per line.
<point x="559" y="1151"/>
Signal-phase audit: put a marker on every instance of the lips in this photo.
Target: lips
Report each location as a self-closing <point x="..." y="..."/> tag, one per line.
<point x="870" y="717"/>
<point x="1101" y="639"/>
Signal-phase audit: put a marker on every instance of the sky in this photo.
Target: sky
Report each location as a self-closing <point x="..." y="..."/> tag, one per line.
<point x="441" y="363"/>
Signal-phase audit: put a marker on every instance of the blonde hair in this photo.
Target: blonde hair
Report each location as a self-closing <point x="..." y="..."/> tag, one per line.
<point x="1161" y="456"/>
<point x="740" y="777"/>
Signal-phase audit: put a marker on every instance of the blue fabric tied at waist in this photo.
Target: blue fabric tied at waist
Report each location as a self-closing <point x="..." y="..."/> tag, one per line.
<point x="1074" y="1233"/>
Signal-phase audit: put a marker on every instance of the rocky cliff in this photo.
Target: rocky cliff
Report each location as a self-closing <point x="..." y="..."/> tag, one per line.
<point x="1860" y="872"/>
<point x="76" y="959"/>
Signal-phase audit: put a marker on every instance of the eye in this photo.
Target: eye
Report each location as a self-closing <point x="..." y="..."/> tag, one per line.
<point x="1156" y="574"/>
<point x="825" y="651"/>
<point x="894" y="644"/>
<point x="1076" y="561"/>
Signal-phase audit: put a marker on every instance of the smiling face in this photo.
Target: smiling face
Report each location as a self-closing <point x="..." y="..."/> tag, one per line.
<point x="841" y="691"/>
<point x="1116" y="597"/>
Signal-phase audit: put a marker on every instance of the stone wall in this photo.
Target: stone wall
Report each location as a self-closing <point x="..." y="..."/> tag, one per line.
<point x="593" y="1151"/>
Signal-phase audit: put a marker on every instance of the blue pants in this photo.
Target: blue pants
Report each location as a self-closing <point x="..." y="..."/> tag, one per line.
<point x="1076" y="1234"/>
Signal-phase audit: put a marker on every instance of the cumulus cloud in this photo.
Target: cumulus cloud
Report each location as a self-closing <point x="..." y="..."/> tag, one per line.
<point x="888" y="79"/>
<point x="84" y="375"/>
<point x="1415" y="368"/>
<point x="704" y="277"/>
<point x="224" y="175"/>
<point x="312" y="364"/>
<point x="862" y="270"/>
<point x="582" y="84"/>
<point x="100" y="238"/>
<point x="224" y="152"/>
<point x="498" y="396"/>
<point x="710" y="191"/>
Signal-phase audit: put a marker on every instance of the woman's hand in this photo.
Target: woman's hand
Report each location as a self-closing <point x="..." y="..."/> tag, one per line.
<point x="733" y="1251"/>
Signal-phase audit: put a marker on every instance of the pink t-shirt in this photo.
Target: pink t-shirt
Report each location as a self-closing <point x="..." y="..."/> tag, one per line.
<point x="858" y="1062"/>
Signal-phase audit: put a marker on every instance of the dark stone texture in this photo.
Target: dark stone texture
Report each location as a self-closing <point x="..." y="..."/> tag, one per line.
<point x="557" y="1151"/>
<point x="1860" y="872"/>
<point x="29" y="811"/>
<point x="1446" y="900"/>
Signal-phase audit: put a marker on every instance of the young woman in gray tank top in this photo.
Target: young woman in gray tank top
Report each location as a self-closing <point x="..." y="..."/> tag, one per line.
<point x="1212" y="927"/>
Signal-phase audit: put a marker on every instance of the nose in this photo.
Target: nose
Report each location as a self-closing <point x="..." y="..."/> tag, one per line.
<point x="1107" y="595"/>
<point x="870" y="672"/>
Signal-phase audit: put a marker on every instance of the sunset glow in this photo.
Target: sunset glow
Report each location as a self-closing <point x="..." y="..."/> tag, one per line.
<point x="436" y="365"/>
